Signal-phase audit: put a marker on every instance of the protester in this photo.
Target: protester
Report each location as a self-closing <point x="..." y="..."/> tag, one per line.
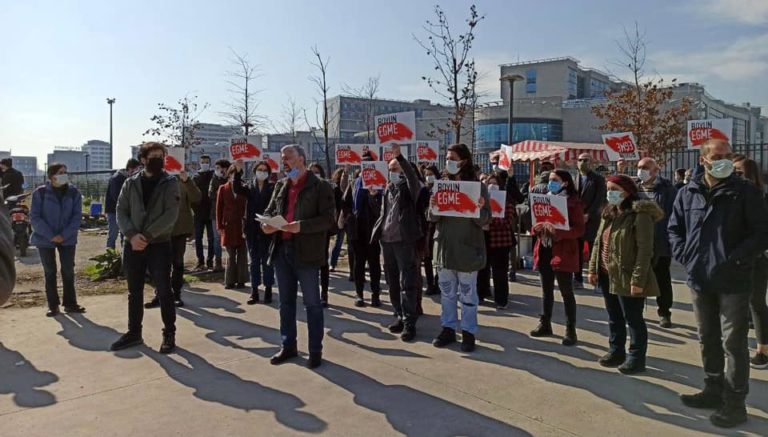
<point x="680" y="178"/>
<point x="460" y="255"/>
<point x="339" y="182"/>
<point x="362" y="207"/>
<point x="350" y="249"/>
<point x="717" y="229"/>
<point x="220" y="177"/>
<point x="431" y="174"/>
<point x="557" y="255"/>
<point x="591" y="189"/>
<point x="7" y="252"/>
<point x="307" y="204"/>
<point x="258" y="192"/>
<point x="621" y="167"/>
<point x="500" y="240"/>
<point x="56" y="212"/>
<point x="399" y="230"/>
<point x="515" y="197"/>
<point x="189" y="194"/>
<point x="12" y="181"/>
<point x="325" y="274"/>
<point x="204" y="216"/>
<point x="114" y="186"/>
<point x="230" y="211"/>
<point x="621" y="263"/>
<point x="750" y="171"/>
<point x="688" y="176"/>
<point x="654" y="186"/>
<point x="147" y="209"/>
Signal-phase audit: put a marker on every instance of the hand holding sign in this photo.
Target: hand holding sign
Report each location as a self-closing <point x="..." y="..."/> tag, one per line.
<point x="174" y="160"/>
<point x="457" y="199"/>
<point x="549" y="212"/>
<point x="621" y="146"/>
<point x="245" y="148"/>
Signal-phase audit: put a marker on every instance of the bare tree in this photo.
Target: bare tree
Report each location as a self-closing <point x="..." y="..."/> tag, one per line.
<point x="455" y="68"/>
<point x="290" y="119"/>
<point x="243" y="104"/>
<point x="177" y="125"/>
<point x="321" y="82"/>
<point x="367" y="93"/>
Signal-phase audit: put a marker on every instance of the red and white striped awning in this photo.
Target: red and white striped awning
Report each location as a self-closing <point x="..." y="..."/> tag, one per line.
<point x="532" y="150"/>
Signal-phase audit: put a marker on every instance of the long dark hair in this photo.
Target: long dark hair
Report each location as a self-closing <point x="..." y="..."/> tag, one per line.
<point x="319" y="167"/>
<point x="566" y="177"/>
<point x="467" y="171"/>
<point x="752" y="173"/>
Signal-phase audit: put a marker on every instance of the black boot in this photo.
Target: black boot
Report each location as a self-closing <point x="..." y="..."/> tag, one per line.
<point x="570" y="338"/>
<point x="544" y="329"/>
<point x="375" y="300"/>
<point x="154" y="303"/>
<point x="169" y="342"/>
<point x="315" y="360"/>
<point x="127" y="340"/>
<point x="710" y="397"/>
<point x="733" y="412"/>
<point x="446" y="337"/>
<point x="283" y="355"/>
<point x="467" y="341"/>
<point x="254" y="299"/>
<point x="613" y="359"/>
<point x="268" y="295"/>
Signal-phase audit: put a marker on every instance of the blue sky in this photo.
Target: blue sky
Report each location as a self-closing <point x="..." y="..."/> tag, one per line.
<point x="60" y="59"/>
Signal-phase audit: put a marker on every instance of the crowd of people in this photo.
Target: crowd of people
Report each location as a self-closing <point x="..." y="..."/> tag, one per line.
<point x="625" y="230"/>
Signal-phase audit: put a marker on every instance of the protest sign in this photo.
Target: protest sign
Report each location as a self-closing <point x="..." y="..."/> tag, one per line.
<point x="700" y="131"/>
<point x="273" y="160"/>
<point x="549" y="208"/>
<point x="505" y="157"/>
<point x="399" y="127"/>
<point x="374" y="174"/>
<point x="387" y="155"/>
<point x="621" y="146"/>
<point x="174" y="160"/>
<point x="498" y="203"/>
<point x="349" y="154"/>
<point x="245" y="148"/>
<point x="456" y="199"/>
<point x="427" y="152"/>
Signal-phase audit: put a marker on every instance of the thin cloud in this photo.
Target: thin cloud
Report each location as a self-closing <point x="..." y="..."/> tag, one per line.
<point x="753" y="12"/>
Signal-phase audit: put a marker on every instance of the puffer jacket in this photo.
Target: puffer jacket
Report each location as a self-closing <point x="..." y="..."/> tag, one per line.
<point x="52" y="215"/>
<point x="156" y="222"/>
<point x="630" y="249"/>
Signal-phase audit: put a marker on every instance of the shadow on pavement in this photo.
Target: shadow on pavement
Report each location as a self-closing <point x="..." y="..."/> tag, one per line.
<point x="21" y="379"/>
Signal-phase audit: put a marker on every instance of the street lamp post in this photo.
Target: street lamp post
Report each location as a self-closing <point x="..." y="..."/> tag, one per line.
<point x="511" y="78"/>
<point x="110" y="102"/>
<point x="87" y="155"/>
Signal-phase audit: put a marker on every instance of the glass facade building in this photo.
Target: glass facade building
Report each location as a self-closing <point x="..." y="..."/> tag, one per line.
<point x="490" y="134"/>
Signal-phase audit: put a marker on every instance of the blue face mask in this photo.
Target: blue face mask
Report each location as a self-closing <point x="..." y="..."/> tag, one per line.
<point x="554" y="187"/>
<point x="615" y="197"/>
<point x="292" y="173"/>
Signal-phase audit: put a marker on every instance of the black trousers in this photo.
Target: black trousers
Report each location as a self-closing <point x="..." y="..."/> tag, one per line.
<point x="625" y="311"/>
<point x="564" y="280"/>
<point x="757" y="303"/>
<point x="402" y="269"/>
<point x="664" y="279"/>
<point x="178" y="247"/>
<point x="496" y="267"/>
<point x="367" y="253"/>
<point x="579" y="276"/>
<point x="156" y="258"/>
<point x="723" y="325"/>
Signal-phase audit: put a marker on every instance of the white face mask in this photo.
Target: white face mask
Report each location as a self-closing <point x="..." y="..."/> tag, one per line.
<point x="60" y="180"/>
<point x="395" y="176"/>
<point x="643" y="174"/>
<point x="430" y="179"/>
<point x="260" y="176"/>
<point x="219" y="173"/>
<point x="452" y="167"/>
<point x="205" y="166"/>
<point x="493" y="187"/>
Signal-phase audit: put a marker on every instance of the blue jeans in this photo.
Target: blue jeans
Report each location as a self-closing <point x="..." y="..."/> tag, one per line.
<point x="113" y="231"/>
<point x="67" y="261"/>
<point x="214" y="240"/>
<point x="289" y="276"/>
<point x="258" y="250"/>
<point x="337" y="248"/>
<point x="455" y="284"/>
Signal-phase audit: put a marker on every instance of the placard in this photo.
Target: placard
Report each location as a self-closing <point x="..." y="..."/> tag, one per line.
<point x="621" y="146"/>
<point x="352" y="154"/>
<point x="245" y="148"/>
<point x="505" y="157"/>
<point x="427" y="152"/>
<point x="498" y="203"/>
<point x="700" y="131"/>
<point x="387" y="155"/>
<point x="456" y="199"/>
<point x="399" y="127"/>
<point x="273" y="159"/>
<point x="549" y="208"/>
<point x="174" y="160"/>
<point x="374" y="174"/>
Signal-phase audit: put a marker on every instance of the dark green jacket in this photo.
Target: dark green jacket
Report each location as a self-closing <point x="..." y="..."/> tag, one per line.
<point x="631" y="249"/>
<point x="315" y="210"/>
<point x="189" y="194"/>
<point x="460" y="242"/>
<point x="156" y="222"/>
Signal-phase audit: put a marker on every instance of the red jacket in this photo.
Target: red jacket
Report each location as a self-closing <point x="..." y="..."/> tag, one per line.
<point x="565" y="248"/>
<point x="230" y="211"/>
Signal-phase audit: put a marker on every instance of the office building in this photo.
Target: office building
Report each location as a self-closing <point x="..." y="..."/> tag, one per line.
<point x="99" y="155"/>
<point x="73" y="157"/>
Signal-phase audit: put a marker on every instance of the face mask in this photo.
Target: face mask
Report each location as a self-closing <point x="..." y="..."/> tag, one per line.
<point x="643" y="174"/>
<point x="452" y="167"/>
<point x="60" y="180"/>
<point x="615" y="197"/>
<point x="554" y="187"/>
<point x="584" y="167"/>
<point x="155" y="165"/>
<point x="292" y="173"/>
<point x="493" y="187"/>
<point x="205" y="167"/>
<point x="430" y="179"/>
<point x="260" y="175"/>
<point x="721" y="169"/>
<point x="219" y="173"/>
<point x="317" y="174"/>
<point x="394" y="177"/>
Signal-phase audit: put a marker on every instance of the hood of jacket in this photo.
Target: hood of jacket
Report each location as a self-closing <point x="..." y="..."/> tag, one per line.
<point x="649" y="207"/>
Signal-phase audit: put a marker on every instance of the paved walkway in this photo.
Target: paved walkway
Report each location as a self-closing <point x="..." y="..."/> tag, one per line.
<point x="57" y="377"/>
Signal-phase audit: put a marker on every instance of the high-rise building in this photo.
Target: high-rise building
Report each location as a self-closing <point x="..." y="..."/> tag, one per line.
<point x="27" y="165"/>
<point x="72" y="157"/>
<point x="99" y="155"/>
<point x="209" y="134"/>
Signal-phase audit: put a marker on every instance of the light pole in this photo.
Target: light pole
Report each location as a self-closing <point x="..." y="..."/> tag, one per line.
<point x="87" y="155"/>
<point x="110" y="102"/>
<point x="511" y="78"/>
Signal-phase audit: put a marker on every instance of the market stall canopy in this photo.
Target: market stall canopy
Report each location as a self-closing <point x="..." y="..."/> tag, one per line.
<point x="532" y="150"/>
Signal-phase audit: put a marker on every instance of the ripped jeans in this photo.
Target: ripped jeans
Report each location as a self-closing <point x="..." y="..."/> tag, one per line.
<point x="455" y="285"/>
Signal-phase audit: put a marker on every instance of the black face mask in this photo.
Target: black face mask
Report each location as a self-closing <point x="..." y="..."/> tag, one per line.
<point x="155" y="165"/>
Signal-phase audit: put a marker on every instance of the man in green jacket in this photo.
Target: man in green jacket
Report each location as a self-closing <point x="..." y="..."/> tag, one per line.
<point x="298" y="249"/>
<point x="182" y="231"/>
<point x="147" y="209"/>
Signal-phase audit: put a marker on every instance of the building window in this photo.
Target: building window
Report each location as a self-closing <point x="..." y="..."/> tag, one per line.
<point x="572" y="84"/>
<point x="530" y="81"/>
